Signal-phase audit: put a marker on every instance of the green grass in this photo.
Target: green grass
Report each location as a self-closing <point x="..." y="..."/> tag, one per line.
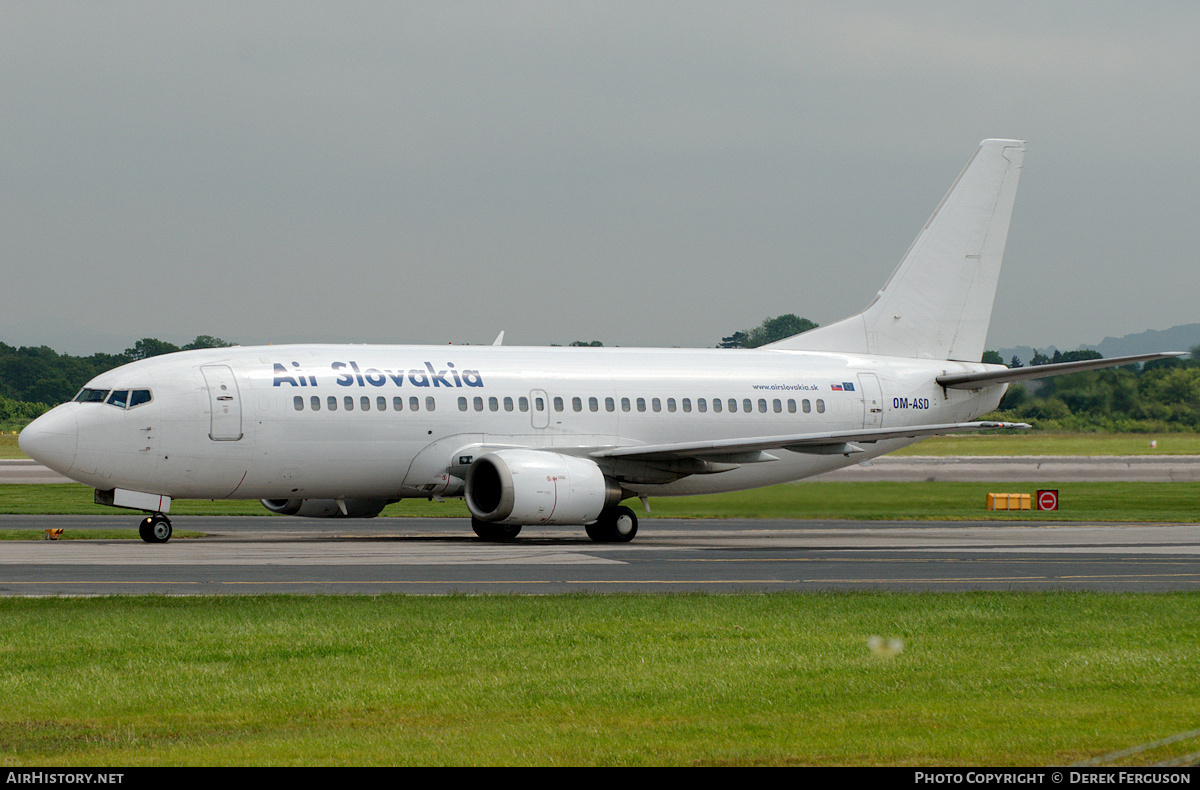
<point x="8" y="445"/>
<point x="1038" y="443"/>
<point x="939" y="500"/>
<point x="780" y="679"/>
<point x="89" y="534"/>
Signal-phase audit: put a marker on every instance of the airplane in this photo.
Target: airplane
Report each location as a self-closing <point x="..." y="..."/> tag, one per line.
<point x="559" y="436"/>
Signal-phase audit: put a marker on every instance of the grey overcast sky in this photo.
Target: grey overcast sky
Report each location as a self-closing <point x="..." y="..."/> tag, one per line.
<point x="641" y="173"/>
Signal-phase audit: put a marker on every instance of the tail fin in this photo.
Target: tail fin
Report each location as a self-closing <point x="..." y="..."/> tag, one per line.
<point x="938" y="302"/>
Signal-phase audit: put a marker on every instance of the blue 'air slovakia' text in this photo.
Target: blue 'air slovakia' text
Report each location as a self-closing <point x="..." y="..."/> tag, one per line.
<point x="350" y="375"/>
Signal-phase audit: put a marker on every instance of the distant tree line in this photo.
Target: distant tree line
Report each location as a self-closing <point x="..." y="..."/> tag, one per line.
<point x="34" y="378"/>
<point x="768" y="331"/>
<point x="1038" y="358"/>
<point x="1163" y="395"/>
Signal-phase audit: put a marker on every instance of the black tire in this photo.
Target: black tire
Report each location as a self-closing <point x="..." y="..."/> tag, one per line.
<point x="626" y="525"/>
<point x="488" y="531"/>
<point x="619" y="525"/>
<point x="155" y="529"/>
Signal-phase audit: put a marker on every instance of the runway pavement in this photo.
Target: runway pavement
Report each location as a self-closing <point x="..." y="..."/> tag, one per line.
<point x="26" y="471"/>
<point x="261" y="555"/>
<point x="439" y="556"/>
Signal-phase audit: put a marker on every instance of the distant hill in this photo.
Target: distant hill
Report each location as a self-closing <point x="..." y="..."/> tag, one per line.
<point x="1177" y="338"/>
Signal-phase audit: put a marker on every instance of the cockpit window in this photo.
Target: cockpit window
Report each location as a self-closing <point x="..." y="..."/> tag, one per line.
<point x="122" y="399"/>
<point x="91" y="396"/>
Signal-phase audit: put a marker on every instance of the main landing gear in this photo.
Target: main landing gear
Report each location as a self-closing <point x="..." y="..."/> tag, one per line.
<point x="618" y="525"/>
<point x="495" y="533"/>
<point x="155" y="529"/>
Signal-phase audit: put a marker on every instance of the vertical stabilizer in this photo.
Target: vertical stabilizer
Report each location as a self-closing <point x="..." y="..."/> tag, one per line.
<point x="938" y="302"/>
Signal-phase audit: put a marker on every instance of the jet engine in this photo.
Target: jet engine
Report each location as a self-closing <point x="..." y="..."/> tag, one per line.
<point x="537" y="487"/>
<point x="326" y="508"/>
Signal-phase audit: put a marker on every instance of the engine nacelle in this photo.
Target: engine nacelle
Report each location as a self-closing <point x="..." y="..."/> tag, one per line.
<point x="326" y="508"/>
<point x="537" y="487"/>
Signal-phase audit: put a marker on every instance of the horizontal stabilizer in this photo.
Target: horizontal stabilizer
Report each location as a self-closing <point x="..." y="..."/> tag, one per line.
<point x="971" y="381"/>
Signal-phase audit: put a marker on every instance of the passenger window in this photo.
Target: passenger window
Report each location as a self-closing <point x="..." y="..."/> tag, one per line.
<point x="381" y="403"/>
<point x="414" y="403"/>
<point x="656" y="404"/>
<point x="732" y="405"/>
<point x="462" y="404"/>
<point x="593" y="404"/>
<point x="523" y="403"/>
<point x="315" y="402"/>
<point x="701" y="405"/>
<point x="118" y="398"/>
<point x="430" y="403"/>
<point x="508" y="404"/>
<point x="493" y="404"/>
<point x="478" y="403"/>
<point x="331" y="402"/>
<point x="398" y="403"/>
<point x="777" y="406"/>
<point x="762" y="405"/>
<point x="670" y="404"/>
<point x="807" y="405"/>
<point x="298" y="402"/>
<point x="577" y="403"/>
<point x="610" y="404"/>
<point x="558" y="403"/>
<point x="820" y="406"/>
<point x="641" y="404"/>
<point x="625" y="404"/>
<point x="349" y="401"/>
<point x="717" y="405"/>
<point x="747" y="405"/>
<point x="364" y="403"/>
<point x="539" y="404"/>
<point x="791" y="406"/>
<point x="687" y="404"/>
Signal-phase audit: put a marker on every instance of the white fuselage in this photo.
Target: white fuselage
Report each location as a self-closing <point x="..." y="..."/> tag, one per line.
<point x="388" y="422"/>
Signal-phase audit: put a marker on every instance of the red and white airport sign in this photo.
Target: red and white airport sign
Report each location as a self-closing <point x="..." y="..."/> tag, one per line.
<point x="1047" y="500"/>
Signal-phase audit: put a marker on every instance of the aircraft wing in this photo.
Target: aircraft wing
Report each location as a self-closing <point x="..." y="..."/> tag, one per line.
<point x="749" y="450"/>
<point x="970" y="381"/>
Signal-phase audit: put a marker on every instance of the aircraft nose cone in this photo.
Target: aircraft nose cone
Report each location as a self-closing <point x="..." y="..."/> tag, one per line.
<point x="50" y="439"/>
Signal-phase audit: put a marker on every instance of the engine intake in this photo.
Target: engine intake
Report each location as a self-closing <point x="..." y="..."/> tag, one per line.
<point x="537" y="487"/>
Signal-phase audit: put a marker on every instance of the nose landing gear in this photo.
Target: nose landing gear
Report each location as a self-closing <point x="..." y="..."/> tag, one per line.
<point x="155" y="529"/>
